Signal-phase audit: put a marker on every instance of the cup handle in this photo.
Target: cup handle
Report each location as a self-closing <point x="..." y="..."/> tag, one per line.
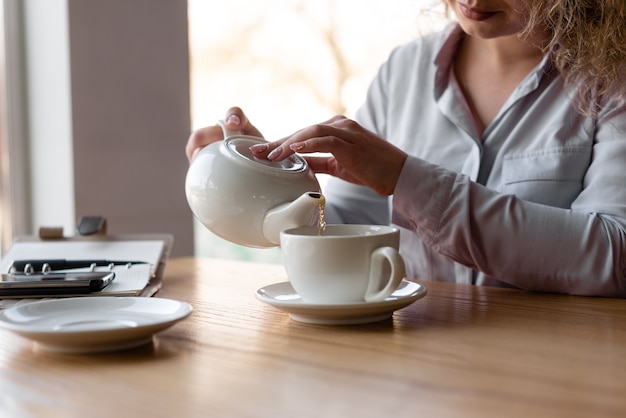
<point x="227" y="133"/>
<point x="379" y="257"/>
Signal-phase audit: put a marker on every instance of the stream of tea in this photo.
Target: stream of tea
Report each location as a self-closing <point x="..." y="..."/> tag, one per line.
<point x="322" y="220"/>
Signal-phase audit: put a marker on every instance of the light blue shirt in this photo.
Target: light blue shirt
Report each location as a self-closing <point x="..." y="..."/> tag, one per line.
<point x="537" y="202"/>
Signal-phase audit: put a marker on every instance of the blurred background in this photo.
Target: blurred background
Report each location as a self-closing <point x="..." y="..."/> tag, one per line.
<point x="290" y="64"/>
<point x="97" y="98"/>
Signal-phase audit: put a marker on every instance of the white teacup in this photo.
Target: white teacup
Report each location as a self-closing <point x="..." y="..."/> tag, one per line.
<point x="344" y="263"/>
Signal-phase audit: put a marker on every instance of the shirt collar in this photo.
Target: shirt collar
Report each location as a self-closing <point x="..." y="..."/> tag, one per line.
<point x="444" y="58"/>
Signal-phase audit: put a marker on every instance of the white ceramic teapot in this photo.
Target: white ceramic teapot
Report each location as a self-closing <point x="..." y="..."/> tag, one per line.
<point x="247" y="200"/>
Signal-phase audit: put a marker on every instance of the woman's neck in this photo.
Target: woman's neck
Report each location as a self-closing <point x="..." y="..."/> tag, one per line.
<point x="488" y="70"/>
<point x="504" y="52"/>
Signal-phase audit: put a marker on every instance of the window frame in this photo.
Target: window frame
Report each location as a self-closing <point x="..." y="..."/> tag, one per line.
<point x="14" y="196"/>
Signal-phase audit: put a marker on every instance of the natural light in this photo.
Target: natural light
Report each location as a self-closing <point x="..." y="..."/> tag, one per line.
<point x="290" y="64"/>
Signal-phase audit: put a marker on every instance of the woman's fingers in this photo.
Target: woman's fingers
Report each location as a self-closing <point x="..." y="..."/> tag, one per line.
<point x="201" y="138"/>
<point x="235" y="120"/>
<point x="357" y="155"/>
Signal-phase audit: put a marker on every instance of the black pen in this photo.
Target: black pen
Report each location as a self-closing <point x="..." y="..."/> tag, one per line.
<point x="44" y="265"/>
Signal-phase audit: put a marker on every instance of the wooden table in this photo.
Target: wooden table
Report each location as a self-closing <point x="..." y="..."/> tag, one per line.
<point x="461" y="351"/>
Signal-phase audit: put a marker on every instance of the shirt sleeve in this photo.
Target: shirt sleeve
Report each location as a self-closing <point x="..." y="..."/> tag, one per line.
<point x="579" y="250"/>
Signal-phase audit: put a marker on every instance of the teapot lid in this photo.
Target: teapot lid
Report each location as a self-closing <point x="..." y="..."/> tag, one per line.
<point x="240" y="148"/>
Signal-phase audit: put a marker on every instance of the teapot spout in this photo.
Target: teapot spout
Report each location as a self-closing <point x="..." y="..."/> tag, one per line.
<point x="303" y="211"/>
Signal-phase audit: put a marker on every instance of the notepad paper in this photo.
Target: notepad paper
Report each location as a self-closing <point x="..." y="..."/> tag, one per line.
<point x="128" y="281"/>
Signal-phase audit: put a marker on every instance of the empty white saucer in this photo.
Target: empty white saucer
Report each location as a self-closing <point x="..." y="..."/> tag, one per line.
<point x="283" y="297"/>
<point x="93" y="324"/>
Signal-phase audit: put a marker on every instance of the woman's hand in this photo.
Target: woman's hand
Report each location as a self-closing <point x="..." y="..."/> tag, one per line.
<point x="357" y="155"/>
<point x="235" y="120"/>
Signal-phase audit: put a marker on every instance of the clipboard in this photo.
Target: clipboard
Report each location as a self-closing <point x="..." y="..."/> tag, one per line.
<point x="146" y="279"/>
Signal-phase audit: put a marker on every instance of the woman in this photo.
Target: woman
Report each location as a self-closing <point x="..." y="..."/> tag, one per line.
<point x="502" y="141"/>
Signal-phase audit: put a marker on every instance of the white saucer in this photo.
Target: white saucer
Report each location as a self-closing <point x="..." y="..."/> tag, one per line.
<point x="93" y="324"/>
<point x="283" y="297"/>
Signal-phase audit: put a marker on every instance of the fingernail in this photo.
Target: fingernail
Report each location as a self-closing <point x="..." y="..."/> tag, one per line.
<point x="297" y="147"/>
<point x="258" y="148"/>
<point x="233" y="119"/>
<point x="275" y="153"/>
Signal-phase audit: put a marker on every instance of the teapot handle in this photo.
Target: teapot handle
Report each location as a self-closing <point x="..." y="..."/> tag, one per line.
<point x="227" y="133"/>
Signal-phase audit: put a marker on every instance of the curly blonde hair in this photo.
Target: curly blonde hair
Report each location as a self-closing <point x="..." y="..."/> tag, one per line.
<point x="587" y="43"/>
<point x="586" y="40"/>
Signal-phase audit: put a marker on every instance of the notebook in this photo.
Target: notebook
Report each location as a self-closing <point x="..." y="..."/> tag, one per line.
<point x="136" y="280"/>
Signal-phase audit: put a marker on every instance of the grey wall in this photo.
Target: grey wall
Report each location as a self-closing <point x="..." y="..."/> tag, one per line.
<point x="129" y="64"/>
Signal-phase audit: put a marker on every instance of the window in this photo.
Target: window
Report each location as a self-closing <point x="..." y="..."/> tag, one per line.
<point x="13" y="216"/>
<point x="290" y="64"/>
<point x="3" y="137"/>
<point x="90" y="86"/>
